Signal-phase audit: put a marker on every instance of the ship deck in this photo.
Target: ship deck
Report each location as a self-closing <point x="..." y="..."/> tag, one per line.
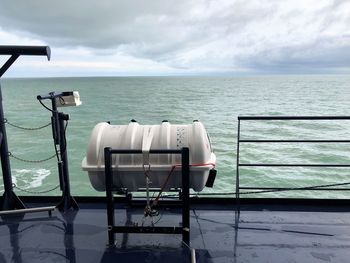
<point x="263" y="231"/>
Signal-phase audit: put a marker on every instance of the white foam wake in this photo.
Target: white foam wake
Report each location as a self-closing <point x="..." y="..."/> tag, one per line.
<point x="29" y="178"/>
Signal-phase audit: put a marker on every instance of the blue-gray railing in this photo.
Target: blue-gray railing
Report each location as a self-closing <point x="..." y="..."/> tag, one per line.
<point x="285" y="118"/>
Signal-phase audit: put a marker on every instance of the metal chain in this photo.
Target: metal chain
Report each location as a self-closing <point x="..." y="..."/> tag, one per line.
<point x="35" y="192"/>
<point x="27" y="128"/>
<point x="31" y="161"/>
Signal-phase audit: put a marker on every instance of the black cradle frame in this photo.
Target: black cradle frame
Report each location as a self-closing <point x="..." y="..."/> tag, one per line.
<point x="184" y="202"/>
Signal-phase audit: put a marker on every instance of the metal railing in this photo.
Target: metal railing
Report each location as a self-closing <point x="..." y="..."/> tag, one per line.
<point x="316" y="141"/>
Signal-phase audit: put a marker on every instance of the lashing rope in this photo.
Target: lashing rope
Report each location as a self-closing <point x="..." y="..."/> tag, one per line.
<point x="155" y="202"/>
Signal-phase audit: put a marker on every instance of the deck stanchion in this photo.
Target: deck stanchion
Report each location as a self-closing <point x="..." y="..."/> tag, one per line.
<point x="68" y="201"/>
<point x="238" y="202"/>
<point x="185" y="195"/>
<point x="10" y="200"/>
<point x="109" y="195"/>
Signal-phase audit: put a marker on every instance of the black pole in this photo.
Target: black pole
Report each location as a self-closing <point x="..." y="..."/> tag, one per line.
<point x="68" y="201"/>
<point x="185" y="195"/>
<point x="238" y="201"/>
<point x="10" y="200"/>
<point x="5" y="160"/>
<point x="109" y="195"/>
<point x="26" y="51"/>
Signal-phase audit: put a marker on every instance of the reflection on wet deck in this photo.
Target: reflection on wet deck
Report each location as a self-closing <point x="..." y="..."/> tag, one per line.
<point x="218" y="234"/>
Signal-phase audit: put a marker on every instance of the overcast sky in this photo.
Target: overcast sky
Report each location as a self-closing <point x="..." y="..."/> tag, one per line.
<point x="180" y="37"/>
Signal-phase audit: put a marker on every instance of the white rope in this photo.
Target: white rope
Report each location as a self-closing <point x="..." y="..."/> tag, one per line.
<point x="148" y="133"/>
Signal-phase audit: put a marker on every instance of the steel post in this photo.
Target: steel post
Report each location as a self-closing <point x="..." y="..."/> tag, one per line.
<point x="109" y="195"/>
<point x="68" y="201"/>
<point x="185" y="195"/>
<point x="10" y="200"/>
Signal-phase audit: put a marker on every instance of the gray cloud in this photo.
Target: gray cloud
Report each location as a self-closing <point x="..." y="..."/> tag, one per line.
<point x="322" y="56"/>
<point x="258" y="36"/>
<point x="102" y="24"/>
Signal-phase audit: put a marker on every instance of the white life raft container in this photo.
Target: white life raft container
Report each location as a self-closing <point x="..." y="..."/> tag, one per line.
<point x="128" y="169"/>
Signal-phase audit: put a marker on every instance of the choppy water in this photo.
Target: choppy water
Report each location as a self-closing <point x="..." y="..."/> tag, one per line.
<point x="216" y="101"/>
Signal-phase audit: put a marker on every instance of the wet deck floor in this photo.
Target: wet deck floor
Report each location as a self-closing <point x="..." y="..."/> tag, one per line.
<point x="217" y="235"/>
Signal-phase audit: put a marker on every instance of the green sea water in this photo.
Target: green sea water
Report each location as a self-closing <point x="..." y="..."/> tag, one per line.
<point x="216" y="101"/>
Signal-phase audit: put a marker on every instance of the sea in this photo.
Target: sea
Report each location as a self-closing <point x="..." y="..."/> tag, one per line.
<point x="215" y="101"/>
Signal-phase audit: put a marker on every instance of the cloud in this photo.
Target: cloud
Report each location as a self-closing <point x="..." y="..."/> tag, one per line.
<point x="187" y="36"/>
<point x="103" y="24"/>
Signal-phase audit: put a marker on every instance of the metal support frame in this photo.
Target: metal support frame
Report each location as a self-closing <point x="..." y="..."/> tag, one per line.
<point x="185" y="202"/>
<point x="58" y="120"/>
<point x="48" y="209"/>
<point x="10" y="200"/>
<point x="285" y="118"/>
<point x="16" y="51"/>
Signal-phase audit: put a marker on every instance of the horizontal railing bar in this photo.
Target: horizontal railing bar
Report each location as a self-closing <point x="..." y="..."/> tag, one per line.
<point x="293" y="117"/>
<point x="292" y="165"/>
<point x="28" y="210"/>
<point x="306" y="188"/>
<point x="295" y="141"/>
<point x="154" y="151"/>
<point x="257" y="190"/>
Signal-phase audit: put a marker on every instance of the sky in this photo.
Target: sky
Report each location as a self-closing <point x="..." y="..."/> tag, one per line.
<point x="178" y="37"/>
